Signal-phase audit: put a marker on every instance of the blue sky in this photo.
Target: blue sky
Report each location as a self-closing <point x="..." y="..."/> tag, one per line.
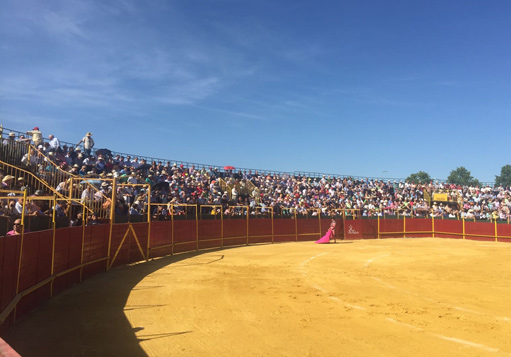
<point x="364" y="88"/>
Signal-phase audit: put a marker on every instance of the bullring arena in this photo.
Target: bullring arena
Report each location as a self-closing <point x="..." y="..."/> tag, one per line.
<point x="190" y="280"/>
<point x="397" y="296"/>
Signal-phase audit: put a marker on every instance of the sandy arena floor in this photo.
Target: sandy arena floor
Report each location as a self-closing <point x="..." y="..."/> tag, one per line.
<point x="393" y="297"/>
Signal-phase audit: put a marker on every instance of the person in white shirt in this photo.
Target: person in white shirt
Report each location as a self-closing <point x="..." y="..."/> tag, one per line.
<point x="135" y="164"/>
<point x="88" y="143"/>
<point x="54" y="143"/>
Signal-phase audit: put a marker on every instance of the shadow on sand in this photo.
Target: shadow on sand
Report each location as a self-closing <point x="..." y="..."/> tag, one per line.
<point x="90" y="319"/>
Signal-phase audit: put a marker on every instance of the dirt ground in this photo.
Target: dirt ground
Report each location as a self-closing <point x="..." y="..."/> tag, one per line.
<point x="392" y="297"/>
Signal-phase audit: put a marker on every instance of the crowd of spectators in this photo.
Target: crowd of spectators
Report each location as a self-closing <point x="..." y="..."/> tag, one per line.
<point x="175" y="188"/>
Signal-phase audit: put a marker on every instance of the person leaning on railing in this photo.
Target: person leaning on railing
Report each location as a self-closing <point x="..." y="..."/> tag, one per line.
<point x="37" y="136"/>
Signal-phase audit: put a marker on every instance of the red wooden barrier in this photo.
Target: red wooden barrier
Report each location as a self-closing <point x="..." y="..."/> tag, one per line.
<point x="141" y="234"/>
<point x="68" y="252"/>
<point x="353" y="229"/>
<point x="259" y="230"/>
<point x="474" y="231"/>
<point x="447" y="228"/>
<point x="184" y="236"/>
<point x="235" y="232"/>
<point x="309" y="228"/>
<point x="284" y="230"/>
<point x="416" y="225"/>
<point x="504" y="232"/>
<point x="95" y="247"/>
<point x="369" y="228"/>
<point x="392" y="227"/>
<point x="36" y="262"/>
<point x="161" y="236"/>
<point x="210" y="233"/>
<point x="9" y="253"/>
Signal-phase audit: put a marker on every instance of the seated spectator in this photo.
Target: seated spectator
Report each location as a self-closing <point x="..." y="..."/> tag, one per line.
<point x="61" y="209"/>
<point x="94" y="220"/>
<point x="77" y="220"/>
<point x="16" y="228"/>
<point x="8" y="182"/>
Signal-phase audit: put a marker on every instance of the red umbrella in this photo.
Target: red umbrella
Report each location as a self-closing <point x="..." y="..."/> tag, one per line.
<point x="228" y="167"/>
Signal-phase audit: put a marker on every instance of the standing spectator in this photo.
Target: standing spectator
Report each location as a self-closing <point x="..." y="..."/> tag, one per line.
<point x="54" y="143"/>
<point x="88" y="143"/>
<point x="37" y="136"/>
<point x="10" y="139"/>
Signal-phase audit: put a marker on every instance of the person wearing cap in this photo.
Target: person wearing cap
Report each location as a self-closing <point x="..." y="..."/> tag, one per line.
<point x="74" y="170"/>
<point x="21" y="184"/>
<point x="7" y="182"/>
<point x="37" y="136"/>
<point x="88" y="143"/>
<point x="10" y="139"/>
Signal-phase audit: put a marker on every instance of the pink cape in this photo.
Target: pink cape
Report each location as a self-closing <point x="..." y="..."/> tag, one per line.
<point x="325" y="238"/>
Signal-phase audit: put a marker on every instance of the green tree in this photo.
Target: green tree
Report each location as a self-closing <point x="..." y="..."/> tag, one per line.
<point x="505" y="176"/>
<point x="461" y="176"/>
<point x="421" y="176"/>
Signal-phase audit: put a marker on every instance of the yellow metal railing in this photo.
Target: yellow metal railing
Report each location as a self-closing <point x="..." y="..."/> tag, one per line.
<point x="225" y="187"/>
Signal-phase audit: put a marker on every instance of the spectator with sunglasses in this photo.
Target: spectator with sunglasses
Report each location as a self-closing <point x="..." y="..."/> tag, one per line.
<point x="16" y="229"/>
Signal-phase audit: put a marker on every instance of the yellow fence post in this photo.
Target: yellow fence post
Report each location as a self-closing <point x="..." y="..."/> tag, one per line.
<point x="221" y="227"/>
<point x="53" y="246"/>
<point x="148" y="221"/>
<point x="344" y="224"/>
<point x="433" y="225"/>
<point x="496" y="234"/>
<point x="378" y="227"/>
<point x="296" y="227"/>
<point x="319" y="222"/>
<point x="272" y="233"/>
<point x="172" y="230"/>
<point x="404" y="226"/>
<point x="248" y="215"/>
<point x="197" y="227"/>
<point x="112" y="217"/>
<point x="463" y="219"/>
